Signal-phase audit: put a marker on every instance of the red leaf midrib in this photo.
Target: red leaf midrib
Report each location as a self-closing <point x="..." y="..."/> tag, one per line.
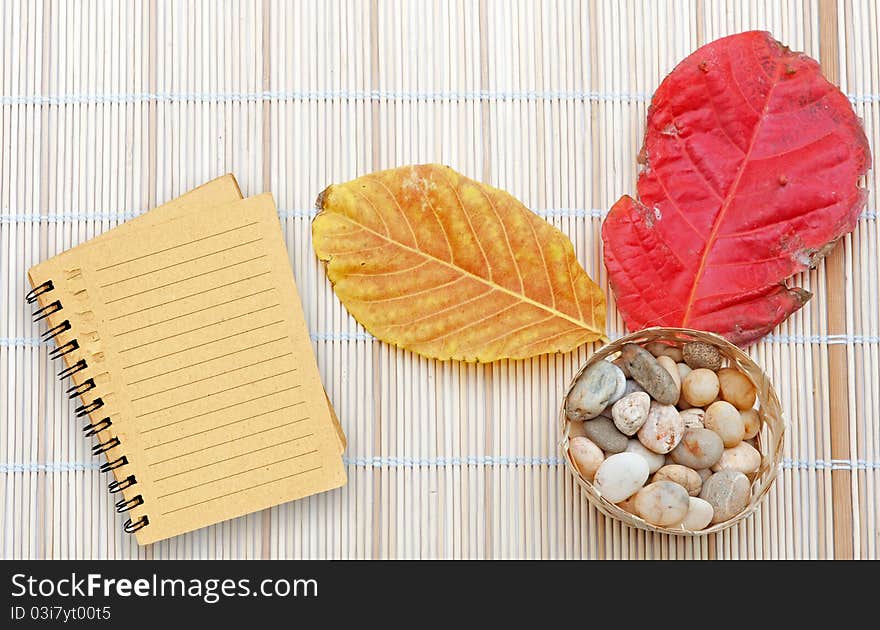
<point x="731" y="195"/>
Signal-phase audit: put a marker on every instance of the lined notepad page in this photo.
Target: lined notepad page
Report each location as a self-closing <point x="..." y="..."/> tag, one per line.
<point x="203" y="338"/>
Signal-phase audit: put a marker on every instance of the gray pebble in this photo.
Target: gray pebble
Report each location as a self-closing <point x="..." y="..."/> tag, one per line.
<point x="728" y="493"/>
<point x="632" y="386"/>
<point x="620" y="392"/>
<point x="648" y="373"/>
<point x="698" y="449"/>
<point x="605" y="435"/>
<point x="594" y="391"/>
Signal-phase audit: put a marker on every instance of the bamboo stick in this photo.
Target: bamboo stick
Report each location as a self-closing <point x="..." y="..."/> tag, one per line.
<point x="836" y="280"/>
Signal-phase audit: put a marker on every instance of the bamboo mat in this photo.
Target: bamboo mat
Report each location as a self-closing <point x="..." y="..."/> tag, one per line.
<point x="109" y="108"/>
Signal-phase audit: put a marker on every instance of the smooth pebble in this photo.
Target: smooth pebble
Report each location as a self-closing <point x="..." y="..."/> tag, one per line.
<point x="620" y="390"/>
<point x="655" y="460"/>
<point x="736" y="388"/>
<point x="576" y="429"/>
<point x="698" y="449"/>
<point x="663" y="429"/>
<point x="652" y="376"/>
<point x="602" y="431"/>
<point x="660" y="349"/>
<point x="620" y="476"/>
<point x="704" y="474"/>
<point x="743" y="458"/>
<point x="683" y="370"/>
<point x="725" y="420"/>
<point x="632" y="386"/>
<point x="662" y="503"/>
<point x="751" y="422"/>
<point x="586" y="455"/>
<point x="670" y="366"/>
<point x="630" y="412"/>
<point x="593" y="391"/>
<point x="687" y="478"/>
<point x="628" y="505"/>
<point x="728" y="493"/>
<point x="699" y="514"/>
<point x="699" y="387"/>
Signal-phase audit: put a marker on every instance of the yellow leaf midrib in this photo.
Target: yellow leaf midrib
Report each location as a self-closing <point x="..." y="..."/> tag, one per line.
<point x="465" y="272"/>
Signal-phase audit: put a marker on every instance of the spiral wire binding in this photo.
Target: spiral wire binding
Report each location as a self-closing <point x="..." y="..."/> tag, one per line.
<point x="56" y="330"/>
<point x="79" y="390"/>
<point x="79" y="366"/>
<point x="60" y="351"/>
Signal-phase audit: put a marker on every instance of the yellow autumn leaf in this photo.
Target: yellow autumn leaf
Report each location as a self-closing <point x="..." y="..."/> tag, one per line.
<point x="434" y="262"/>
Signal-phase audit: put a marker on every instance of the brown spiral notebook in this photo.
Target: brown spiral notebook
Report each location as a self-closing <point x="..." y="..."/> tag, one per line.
<point x="184" y="338"/>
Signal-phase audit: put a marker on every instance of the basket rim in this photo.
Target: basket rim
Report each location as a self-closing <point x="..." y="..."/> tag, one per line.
<point x="772" y="457"/>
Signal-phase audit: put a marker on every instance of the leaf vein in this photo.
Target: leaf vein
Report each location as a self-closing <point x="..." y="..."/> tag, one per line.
<point x="397" y="203"/>
<point x="467" y="274"/>
<point x="470" y="225"/>
<point x="731" y="194"/>
<point x="389" y="273"/>
<point x="406" y="296"/>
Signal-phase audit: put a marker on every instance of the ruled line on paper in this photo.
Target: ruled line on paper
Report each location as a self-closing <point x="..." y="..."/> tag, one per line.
<point x="219" y="391"/>
<point x="187" y="279"/>
<point x="183" y="297"/>
<point x="207" y="378"/>
<point x="223" y="496"/>
<point x="236" y="474"/>
<point x="230" y="458"/>
<point x="207" y="413"/>
<point x="235" y="439"/>
<point x="182" y="262"/>
<point x="206" y="343"/>
<point x="222" y="321"/>
<point x="168" y="249"/>
<point x="221" y="356"/>
<point x="198" y="310"/>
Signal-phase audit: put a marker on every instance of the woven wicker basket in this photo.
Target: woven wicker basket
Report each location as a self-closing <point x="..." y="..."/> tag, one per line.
<point x="769" y="440"/>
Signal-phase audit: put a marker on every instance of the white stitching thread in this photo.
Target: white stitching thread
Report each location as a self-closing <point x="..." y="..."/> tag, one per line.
<point x="18" y="342"/>
<point x="315" y="95"/>
<point x="450" y="462"/>
<point x="64" y="217"/>
<point x="358" y="95"/>
<point x="70" y="217"/>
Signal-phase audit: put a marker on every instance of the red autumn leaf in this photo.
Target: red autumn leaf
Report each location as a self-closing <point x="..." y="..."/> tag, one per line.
<point x="752" y="168"/>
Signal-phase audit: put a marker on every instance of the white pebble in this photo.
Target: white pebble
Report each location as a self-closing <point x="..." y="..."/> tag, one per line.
<point x="662" y="503"/>
<point x="742" y="458"/>
<point x="699" y="514"/>
<point x="683" y="370"/>
<point x="620" y="476"/>
<point x="630" y="412"/>
<point x="655" y="460"/>
<point x="663" y="429"/>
